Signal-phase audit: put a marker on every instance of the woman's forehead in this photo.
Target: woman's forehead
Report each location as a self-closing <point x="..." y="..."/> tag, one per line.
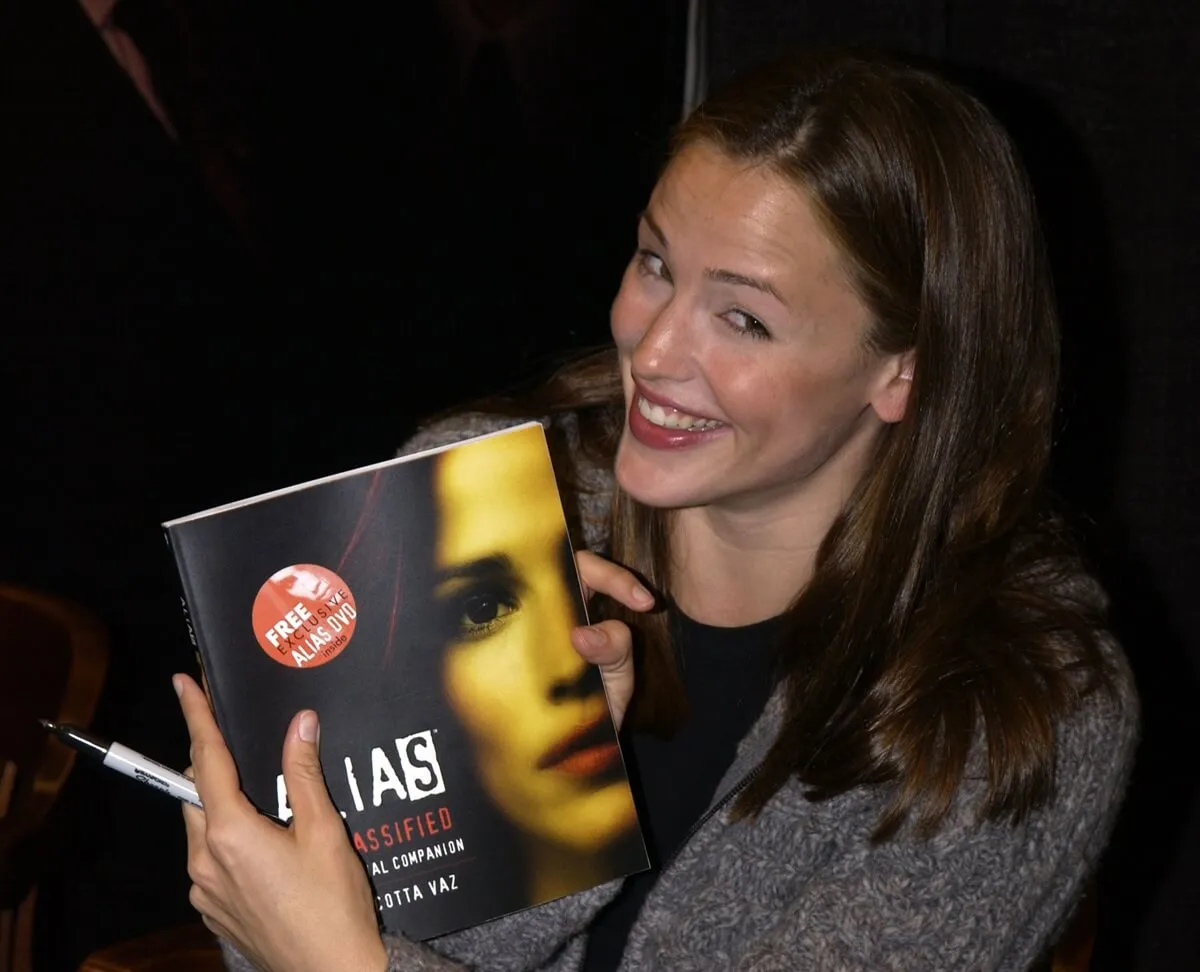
<point x="704" y="185"/>
<point x="747" y="218"/>
<point x="497" y="496"/>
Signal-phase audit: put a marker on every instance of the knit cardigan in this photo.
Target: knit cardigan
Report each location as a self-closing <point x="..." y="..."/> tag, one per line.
<point x="801" y="887"/>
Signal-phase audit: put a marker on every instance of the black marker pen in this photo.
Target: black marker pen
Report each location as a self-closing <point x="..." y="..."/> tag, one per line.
<point x="128" y="761"/>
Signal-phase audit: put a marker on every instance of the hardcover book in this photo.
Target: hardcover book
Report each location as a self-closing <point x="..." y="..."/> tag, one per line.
<point x="422" y="606"/>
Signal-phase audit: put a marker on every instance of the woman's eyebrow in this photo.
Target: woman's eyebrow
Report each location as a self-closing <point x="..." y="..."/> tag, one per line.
<point x="654" y="228"/>
<point x="716" y="274"/>
<point x="741" y="280"/>
<point x="497" y="567"/>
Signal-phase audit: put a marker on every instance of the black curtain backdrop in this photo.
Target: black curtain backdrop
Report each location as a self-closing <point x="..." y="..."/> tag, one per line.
<point x="345" y="239"/>
<point x="335" y="248"/>
<point x="1104" y="99"/>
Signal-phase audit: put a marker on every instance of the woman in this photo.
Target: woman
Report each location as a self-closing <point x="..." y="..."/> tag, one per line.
<point x="533" y="711"/>
<point x="828" y="418"/>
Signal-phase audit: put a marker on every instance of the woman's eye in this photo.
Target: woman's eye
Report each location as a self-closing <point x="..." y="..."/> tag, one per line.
<point x="650" y="264"/>
<point x="482" y="613"/>
<point x="746" y="324"/>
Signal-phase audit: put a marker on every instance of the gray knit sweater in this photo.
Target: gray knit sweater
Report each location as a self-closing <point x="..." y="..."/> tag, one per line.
<point x="800" y="887"/>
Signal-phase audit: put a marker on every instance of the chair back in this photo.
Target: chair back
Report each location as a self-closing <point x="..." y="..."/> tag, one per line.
<point x="53" y="660"/>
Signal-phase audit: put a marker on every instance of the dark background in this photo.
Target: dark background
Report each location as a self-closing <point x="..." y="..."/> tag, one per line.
<point x="352" y="233"/>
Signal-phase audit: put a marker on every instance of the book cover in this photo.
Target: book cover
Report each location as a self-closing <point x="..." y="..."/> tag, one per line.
<point x="422" y="606"/>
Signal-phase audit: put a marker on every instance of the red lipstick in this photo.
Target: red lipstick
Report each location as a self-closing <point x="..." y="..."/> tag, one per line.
<point x="656" y="399"/>
<point x="659" y="437"/>
<point x="587" y="751"/>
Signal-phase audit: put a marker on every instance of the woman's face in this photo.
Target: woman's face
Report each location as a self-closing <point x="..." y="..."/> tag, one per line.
<point x="534" y="711"/>
<point x="749" y="382"/>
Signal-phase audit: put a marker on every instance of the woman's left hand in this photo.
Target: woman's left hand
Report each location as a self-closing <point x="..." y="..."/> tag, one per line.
<point x="609" y="644"/>
<point x="292" y="899"/>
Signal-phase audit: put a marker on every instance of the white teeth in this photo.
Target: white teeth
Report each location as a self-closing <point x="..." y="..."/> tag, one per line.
<point x="671" y="419"/>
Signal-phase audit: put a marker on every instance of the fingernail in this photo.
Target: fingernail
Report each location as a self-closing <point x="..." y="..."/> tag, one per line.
<point x="308" y="727"/>
<point x="594" y="637"/>
<point x="641" y="595"/>
<point x="177" y="684"/>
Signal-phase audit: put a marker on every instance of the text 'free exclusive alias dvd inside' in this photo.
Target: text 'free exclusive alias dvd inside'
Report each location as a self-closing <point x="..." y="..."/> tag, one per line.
<point x="422" y="606"/>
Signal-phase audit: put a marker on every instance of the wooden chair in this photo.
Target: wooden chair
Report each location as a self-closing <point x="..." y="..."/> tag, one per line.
<point x="53" y="660"/>
<point x="192" y="948"/>
<point x="1073" y="953"/>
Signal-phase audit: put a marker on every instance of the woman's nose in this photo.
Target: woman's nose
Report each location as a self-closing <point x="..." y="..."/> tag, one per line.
<point x="664" y="349"/>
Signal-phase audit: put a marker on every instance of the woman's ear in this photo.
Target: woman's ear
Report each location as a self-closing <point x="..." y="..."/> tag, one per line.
<point x="891" y="397"/>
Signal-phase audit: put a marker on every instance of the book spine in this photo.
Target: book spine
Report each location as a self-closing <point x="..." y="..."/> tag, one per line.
<point x="192" y="626"/>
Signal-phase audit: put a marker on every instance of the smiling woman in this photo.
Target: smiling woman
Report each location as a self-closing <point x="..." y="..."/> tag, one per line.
<point x="879" y="721"/>
<point x="744" y="349"/>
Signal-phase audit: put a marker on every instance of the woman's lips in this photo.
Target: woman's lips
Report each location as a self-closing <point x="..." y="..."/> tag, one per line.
<point x="587" y="751"/>
<point x="661" y="437"/>
<point x="654" y="398"/>
<point x="589" y="762"/>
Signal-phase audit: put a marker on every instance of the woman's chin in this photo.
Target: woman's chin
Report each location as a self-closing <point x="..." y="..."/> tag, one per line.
<point x="591" y="824"/>
<point x="650" y="484"/>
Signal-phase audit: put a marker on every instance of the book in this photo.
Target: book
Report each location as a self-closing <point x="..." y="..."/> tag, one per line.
<point x="422" y="606"/>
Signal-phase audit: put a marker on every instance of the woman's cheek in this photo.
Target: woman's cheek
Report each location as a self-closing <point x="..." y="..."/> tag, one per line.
<point x="481" y="692"/>
<point x="466" y="691"/>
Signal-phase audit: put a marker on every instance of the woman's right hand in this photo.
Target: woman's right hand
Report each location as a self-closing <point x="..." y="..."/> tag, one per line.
<point x="255" y="882"/>
<point x="609" y="644"/>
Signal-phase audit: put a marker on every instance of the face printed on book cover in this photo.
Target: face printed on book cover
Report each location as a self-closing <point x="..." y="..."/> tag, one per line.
<point x="534" y="712"/>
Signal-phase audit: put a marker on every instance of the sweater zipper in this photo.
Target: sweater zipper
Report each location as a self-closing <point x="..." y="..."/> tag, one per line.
<point x="709" y="814"/>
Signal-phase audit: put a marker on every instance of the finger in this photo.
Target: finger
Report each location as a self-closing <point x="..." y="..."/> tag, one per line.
<point x="201" y="867"/>
<point x="215" y="773"/>
<point x="195" y="825"/>
<point x="307" y="793"/>
<point x="217" y="928"/>
<point x="609" y="645"/>
<point x="215" y="918"/>
<point x="604" y="577"/>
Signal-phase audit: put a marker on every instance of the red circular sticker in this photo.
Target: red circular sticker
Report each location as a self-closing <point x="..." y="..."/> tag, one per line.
<point x="304" y="616"/>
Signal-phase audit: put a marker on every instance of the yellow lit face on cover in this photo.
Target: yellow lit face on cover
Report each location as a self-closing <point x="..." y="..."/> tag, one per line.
<point x="535" y="714"/>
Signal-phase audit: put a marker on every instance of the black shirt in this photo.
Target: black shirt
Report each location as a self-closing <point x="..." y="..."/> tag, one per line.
<point x="727" y="673"/>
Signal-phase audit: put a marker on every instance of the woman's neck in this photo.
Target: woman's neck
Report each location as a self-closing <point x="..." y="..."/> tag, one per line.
<point x="724" y="574"/>
<point x="747" y="560"/>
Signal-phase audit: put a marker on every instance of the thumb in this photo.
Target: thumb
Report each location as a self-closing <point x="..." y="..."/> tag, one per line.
<point x="609" y="646"/>
<point x="307" y="794"/>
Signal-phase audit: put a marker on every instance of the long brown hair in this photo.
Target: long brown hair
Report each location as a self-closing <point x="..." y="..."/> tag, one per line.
<point x="945" y="609"/>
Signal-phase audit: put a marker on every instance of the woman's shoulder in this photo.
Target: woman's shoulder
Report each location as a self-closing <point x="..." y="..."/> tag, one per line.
<point x="458" y="427"/>
<point x="1096" y="741"/>
<point x="1090" y="737"/>
<point x="1108" y="710"/>
<point x="1097" y="732"/>
<point x="1095" y="735"/>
